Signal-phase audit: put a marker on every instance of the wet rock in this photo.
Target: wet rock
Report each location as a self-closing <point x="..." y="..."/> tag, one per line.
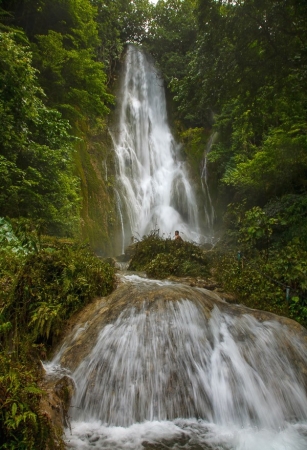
<point x="129" y="253"/>
<point x="182" y="327"/>
<point x="122" y="258"/>
<point x="210" y="287"/>
<point x="55" y="403"/>
<point x="155" y="294"/>
<point x="109" y="260"/>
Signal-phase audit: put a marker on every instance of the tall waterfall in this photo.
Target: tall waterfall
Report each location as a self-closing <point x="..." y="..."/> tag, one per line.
<point x="152" y="181"/>
<point x="174" y="367"/>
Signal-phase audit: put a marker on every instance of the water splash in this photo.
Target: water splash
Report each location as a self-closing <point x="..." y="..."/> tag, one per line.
<point x="167" y="374"/>
<point x="171" y="363"/>
<point x="152" y="182"/>
<point x="188" y="434"/>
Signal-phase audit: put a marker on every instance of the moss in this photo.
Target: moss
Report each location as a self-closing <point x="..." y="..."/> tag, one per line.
<point x="95" y="167"/>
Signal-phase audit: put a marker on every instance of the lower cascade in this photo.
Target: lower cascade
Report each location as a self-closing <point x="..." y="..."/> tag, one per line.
<point x="161" y="365"/>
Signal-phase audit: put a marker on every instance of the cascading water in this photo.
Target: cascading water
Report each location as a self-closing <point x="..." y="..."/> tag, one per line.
<point x="174" y="367"/>
<point x="152" y="181"/>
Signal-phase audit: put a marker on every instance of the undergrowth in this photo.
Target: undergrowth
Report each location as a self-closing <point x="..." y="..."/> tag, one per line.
<point x="43" y="282"/>
<point x="271" y="271"/>
<point x="22" y="426"/>
<point x="274" y="281"/>
<point x="161" y="258"/>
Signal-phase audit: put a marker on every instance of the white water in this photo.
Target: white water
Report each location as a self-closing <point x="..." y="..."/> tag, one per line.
<point x="189" y="434"/>
<point x="171" y="363"/>
<point x="153" y="183"/>
<point x="169" y="378"/>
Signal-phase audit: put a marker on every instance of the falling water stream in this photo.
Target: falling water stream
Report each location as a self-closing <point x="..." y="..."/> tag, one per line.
<point x="152" y="179"/>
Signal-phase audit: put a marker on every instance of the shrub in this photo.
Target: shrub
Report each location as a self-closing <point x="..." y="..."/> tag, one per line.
<point x="57" y="282"/>
<point x="160" y="258"/>
<point x="260" y="281"/>
<point x="22" y="427"/>
<point x="43" y="282"/>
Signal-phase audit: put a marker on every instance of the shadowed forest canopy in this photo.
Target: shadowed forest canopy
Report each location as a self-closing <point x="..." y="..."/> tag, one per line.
<point x="35" y="159"/>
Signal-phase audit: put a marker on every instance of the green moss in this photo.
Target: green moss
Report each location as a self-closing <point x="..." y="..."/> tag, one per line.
<point x="95" y="168"/>
<point x="195" y="141"/>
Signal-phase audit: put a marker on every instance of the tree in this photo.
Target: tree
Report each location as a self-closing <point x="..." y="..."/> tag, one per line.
<point x="64" y="40"/>
<point x="249" y="67"/>
<point x="136" y="17"/>
<point x="171" y="35"/>
<point x="35" y="147"/>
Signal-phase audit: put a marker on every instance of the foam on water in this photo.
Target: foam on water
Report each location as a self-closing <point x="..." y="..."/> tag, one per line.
<point x="188" y="434"/>
<point x="136" y="279"/>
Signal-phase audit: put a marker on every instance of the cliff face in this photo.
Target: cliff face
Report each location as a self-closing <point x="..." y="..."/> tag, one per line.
<point x="95" y="167"/>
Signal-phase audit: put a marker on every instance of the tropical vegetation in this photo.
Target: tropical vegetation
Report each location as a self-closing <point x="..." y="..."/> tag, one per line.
<point x="44" y="281"/>
<point x="161" y="257"/>
<point x="242" y="75"/>
<point x="237" y="69"/>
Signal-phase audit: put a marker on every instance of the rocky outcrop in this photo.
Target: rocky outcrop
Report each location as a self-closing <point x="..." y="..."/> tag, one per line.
<point x="54" y="405"/>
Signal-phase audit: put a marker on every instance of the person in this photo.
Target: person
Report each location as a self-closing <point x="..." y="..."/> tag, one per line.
<point x="177" y="236"/>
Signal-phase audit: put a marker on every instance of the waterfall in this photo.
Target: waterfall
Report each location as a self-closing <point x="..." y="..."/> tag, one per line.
<point x="152" y="180"/>
<point x="174" y="367"/>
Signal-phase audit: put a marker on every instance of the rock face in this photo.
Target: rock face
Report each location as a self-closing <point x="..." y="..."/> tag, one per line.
<point x="55" y="403"/>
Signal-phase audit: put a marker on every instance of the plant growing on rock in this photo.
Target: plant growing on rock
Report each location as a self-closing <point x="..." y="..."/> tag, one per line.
<point x="160" y="258"/>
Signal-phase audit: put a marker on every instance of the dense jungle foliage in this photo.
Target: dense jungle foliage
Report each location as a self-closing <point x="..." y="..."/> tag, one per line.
<point x="237" y="69"/>
<point x="162" y="257"/>
<point x="43" y="282"/>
